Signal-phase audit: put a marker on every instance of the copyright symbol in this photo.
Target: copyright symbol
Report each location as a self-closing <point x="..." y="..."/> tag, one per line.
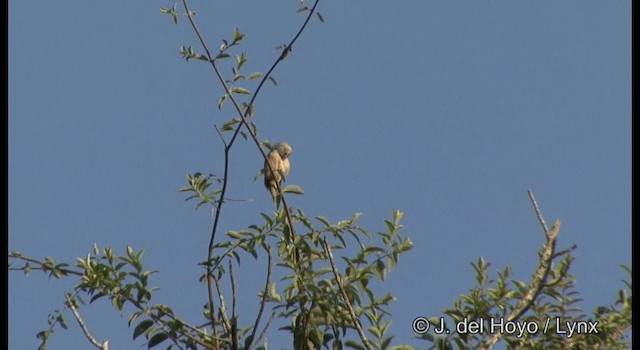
<point x="420" y="325"/>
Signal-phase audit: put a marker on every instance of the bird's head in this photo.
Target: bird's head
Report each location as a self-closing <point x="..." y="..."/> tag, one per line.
<point x="284" y="149"/>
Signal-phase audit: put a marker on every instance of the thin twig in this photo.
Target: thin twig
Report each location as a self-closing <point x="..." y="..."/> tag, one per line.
<point x="226" y="165"/>
<point x="232" y="278"/>
<point x="538" y="212"/>
<point x="265" y="293"/>
<point x="263" y="334"/>
<point x="234" y="334"/>
<point x="285" y="50"/>
<point x="223" y="308"/>
<point x="234" y="316"/>
<point x="71" y="303"/>
<point x="221" y="137"/>
<point x="565" y="251"/>
<point x="43" y="266"/>
<point x="352" y="314"/>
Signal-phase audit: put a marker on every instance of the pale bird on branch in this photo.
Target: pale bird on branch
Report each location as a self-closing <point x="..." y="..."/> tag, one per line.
<point x="276" y="168"/>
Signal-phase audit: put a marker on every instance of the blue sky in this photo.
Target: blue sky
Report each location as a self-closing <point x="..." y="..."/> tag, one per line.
<point x="448" y="111"/>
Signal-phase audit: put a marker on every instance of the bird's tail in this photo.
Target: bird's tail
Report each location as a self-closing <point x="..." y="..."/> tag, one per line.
<point x="273" y="189"/>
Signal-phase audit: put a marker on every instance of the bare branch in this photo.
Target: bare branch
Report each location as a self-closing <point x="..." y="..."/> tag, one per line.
<point x="263" y="334"/>
<point x="71" y="303"/>
<point x="221" y="137"/>
<point x="265" y="293"/>
<point x="538" y="212"/>
<point x="223" y="309"/>
<point x="547" y="254"/>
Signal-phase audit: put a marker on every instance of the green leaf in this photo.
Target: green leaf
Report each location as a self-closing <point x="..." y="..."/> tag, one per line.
<point x="240" y="61"/>
<point x="234" y="234"/>
<point x="522" y="287"/>
<point x="171" y="12"/>
<point x="221" y="103"/>
<point x="141" y="328"/>
<point x="248" y="111"/>
<point x="228" y="125"/>
<point x="254" y="75"/>
<point x="354" y="345"/>
<point x="390" y="226"/>
<point x="372" y="249"/>
<point x="385" y="343"/>
<point x="26" y="269"/>
<point x="293" y="189"/>
<point x="96" y="297"/>
<point x="381" y="269"/>
<point x="44" y="336"/>
<point x="240" y="90"/>
<point x="62" y="322"/>
<point x="273" y="294"/>
<point x="405" y="246"/>
<point x="323" y="220"/>
<point x="134" y="317"/>
<point x="157" y="339"/>
<point x="375" y="331"/>
<point x="260" y="173"/>
<point x="267" y="144"/>
<point x="201" y="57"/>
<point x="237" y="36"/>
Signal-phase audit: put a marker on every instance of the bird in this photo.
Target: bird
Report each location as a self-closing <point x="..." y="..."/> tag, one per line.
<point x="276" y="168"/>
